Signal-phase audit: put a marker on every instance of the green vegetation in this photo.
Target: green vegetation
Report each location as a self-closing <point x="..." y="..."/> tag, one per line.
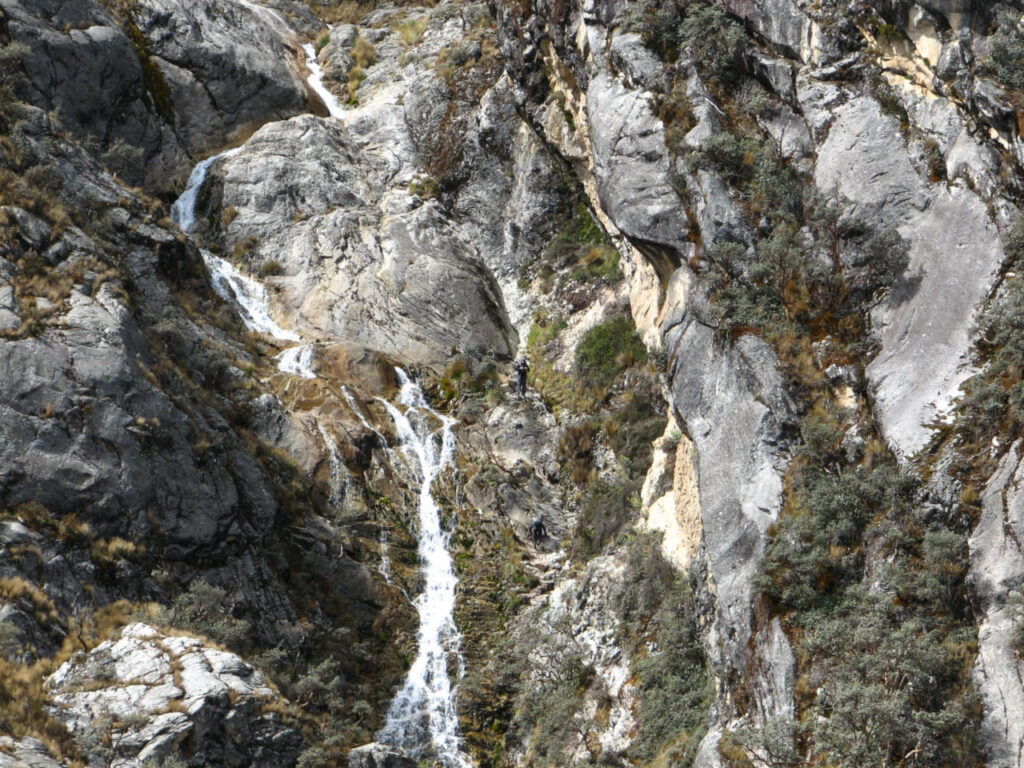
<point x="607" y="350"/>
<point x="885" y="674"/>
<point x="994" y="399"/>
<point x="581" y="242"/>
<point x="702" y="29"/>
<point x="465" y="376"/>
<point x="1005" y="61"/>
<point x="544" y="330"/>
<point x="12" y="79"/>
<point x="675" y="685"/>
<point x="425" y="186"/>
<point x="658" y="632"/>
<point x="600" y="262"/>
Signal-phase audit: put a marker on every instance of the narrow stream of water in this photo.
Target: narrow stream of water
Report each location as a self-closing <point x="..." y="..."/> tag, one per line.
<point x="422" y="718"/>
<point x="316" y="82"/>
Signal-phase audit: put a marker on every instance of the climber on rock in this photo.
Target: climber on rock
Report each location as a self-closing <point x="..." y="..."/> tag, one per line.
<point x="537" y="531"/>
<point x="522" y="367"/>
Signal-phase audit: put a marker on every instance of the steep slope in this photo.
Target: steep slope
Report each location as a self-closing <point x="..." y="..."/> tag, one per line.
<point x="762" y="257"/>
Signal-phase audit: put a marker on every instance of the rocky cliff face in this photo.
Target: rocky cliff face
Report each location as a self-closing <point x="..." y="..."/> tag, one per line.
<point x="762" y="256"/>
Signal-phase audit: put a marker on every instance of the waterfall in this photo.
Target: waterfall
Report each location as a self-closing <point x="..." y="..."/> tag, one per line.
<point x="183" y="211"/>
<point x="339" y="475"/>
<point x="363" y="420"/>
<point x="316" y="82"/>
<point x="297" y="361"/>
<point x="422" y="718"/>
<point x="248" y="295"/>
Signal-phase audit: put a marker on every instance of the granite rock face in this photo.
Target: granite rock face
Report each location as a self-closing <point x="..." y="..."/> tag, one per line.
<point x="997" y="573"/>
<point x="176" y="79"/>
<point x="924" y="327"/>
<point x="410" y="285"/>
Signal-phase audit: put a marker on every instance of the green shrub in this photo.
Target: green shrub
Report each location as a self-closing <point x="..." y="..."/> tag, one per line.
<point x="887" y="674"/>
<point x="206" y="609"/>
<point x="997" y="394"/>
<point x="606" y="508"/>
<point x="579" y="233"/>
<point x="659" y="630"/>
<point x="544" y="330"/>
<point x="702" y="29"/>
<point x="270" y="267"/>
<point x="607" y="350"/>
<point x="676" y="690"/>
<point x="598" y="262"/>
<point x="1005" y="61"/>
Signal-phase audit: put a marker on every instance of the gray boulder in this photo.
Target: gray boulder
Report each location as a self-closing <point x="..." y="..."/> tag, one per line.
<point x="146" y="693"/>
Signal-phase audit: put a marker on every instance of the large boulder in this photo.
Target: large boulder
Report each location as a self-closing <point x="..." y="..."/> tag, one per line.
<point x="146" y="694"/>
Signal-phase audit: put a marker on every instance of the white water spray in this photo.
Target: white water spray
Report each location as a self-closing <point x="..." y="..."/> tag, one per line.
<point x="422" y="718"/>
<point x="316" y="82"/>
<point x="247" y="294"/>
<point x="339" y="475"/>
<point x="297" y="361"/>
<point x="363" y="420"/>
<point x="183" y="211"/>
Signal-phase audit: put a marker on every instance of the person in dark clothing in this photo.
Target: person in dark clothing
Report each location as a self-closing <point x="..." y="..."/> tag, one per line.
<point x="522" y="367"/>
<point x="537" y="531"/>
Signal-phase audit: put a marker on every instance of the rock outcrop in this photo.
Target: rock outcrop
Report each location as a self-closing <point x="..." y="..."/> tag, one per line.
<point x="924" y="327"/>
<point x="146" y="694"/>
<point x="176" y="79"/>
<point x="415" y="287"/>
<point x="997" y="572"/>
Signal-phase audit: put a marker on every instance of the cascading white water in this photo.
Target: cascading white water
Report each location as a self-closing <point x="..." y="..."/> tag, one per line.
<point x="183" y="211"/>
<point x="316" y="82"/>
<point x="422" y="718"/>
<point x="246" y="293"/>
<point x="385" y="559"/>
<point x="339" y="475"/>
<point x="362" y="418"/>
<point x="297" y="361"/>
